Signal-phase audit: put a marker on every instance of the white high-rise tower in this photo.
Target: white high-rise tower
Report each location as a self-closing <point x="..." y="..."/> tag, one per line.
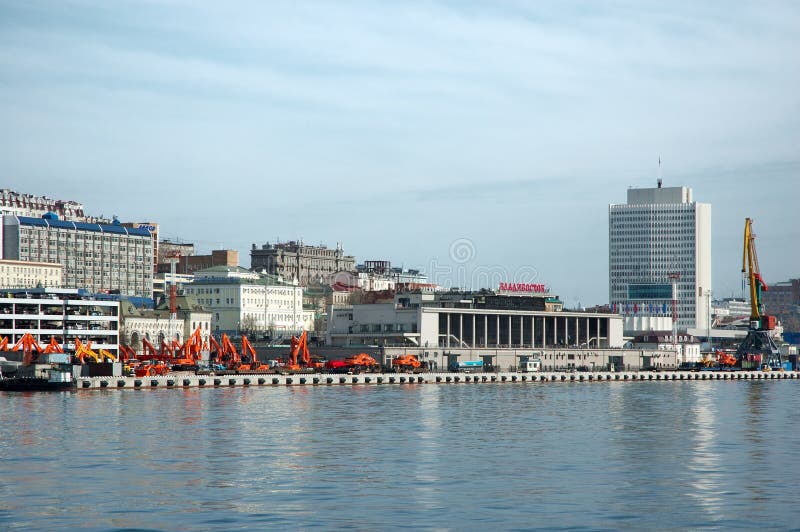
<point x="658" y="233"/>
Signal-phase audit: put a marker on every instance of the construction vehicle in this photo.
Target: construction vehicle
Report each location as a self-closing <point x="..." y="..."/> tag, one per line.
<point x="84" y="351"/>
<point x="250" y="360"/>
<point x="758" y="348"/>
<point x="230" y="356"/>
<point x="149" y="352"/>
<point x="53" y="347"/>
<point x="30" y="348"/>
<point x="362" y="362"/>
<point x="406" y="363"/>
<point x="359" y="363"/>
<point x="215" y="353"/>
<point x="299" y="359"/>
<point x="128" y="357"/>
<point x="151" y="369"/>
<point x="186" y="356"/>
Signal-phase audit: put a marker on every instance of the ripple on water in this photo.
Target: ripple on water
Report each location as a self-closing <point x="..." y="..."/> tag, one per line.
<point x="578" y="457"/>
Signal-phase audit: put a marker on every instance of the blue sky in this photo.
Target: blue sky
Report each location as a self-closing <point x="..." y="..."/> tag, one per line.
<point x="401" y="128"/>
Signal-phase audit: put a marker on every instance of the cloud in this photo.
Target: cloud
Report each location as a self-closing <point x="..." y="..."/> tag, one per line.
<point x="318" y="112"/>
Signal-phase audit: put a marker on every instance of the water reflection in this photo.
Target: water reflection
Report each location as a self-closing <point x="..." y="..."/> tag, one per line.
<point x="428" y="455"/>
<point x="704" y="461"/>
<point x="600" y="456"/>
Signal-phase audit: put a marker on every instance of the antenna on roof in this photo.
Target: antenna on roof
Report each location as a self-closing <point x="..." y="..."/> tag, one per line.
<point x="660" y="181"/>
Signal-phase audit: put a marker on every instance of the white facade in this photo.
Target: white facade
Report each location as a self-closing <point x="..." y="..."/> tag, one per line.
<point x="733" y="308"/>
<point x="242" y="300"/>
<point x="61" y="314"/>
<point x="658" y="232"/>
<point x="633" y="324"/>
<point x="157" y="325"/>
<point x="370" y="282"/>
<point x="419" y="320"/>
<point x="26" y="274"/>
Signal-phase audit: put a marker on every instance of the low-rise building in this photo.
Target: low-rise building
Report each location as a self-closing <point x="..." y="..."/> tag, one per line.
<point x="28" y="274"/>
<point x="241" y="300"/>
<point x="63" y="314"/>
<point x="158" y="324"/>
<point x="188" y="264"/>
<point x="499" y="329"/>
<point x="474" y="320"/>
<point x="687" y="348"/>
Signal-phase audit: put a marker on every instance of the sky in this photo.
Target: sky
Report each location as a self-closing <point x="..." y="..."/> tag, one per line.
<point x="478" y="141"/>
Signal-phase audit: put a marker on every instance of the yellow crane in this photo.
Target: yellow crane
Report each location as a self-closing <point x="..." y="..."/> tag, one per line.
<point x="758" y="348"/>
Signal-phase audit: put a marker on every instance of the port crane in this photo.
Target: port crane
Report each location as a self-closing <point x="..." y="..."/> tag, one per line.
<point x="758" y="345"/>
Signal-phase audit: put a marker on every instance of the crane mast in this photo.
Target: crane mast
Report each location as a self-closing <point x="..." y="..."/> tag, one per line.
<point x="758" y="347"/>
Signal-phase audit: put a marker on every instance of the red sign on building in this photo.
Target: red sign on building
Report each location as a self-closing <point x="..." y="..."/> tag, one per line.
<point x="523" y="287"/>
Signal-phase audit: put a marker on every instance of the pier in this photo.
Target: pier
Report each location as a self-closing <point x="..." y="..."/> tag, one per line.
<point x="190" y="380"/>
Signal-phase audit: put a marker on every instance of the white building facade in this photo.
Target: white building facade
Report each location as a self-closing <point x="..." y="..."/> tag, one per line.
<point x="660" y="239"/>
<point x="242" y="300"/>
<point x="63" y="314"/>
<point x="423" y="320"/>
<point x="156" y="325"/>
<point x="26" y="274"/>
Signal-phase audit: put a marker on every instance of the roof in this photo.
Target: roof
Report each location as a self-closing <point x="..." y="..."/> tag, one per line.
<point x="225" y="269"/>
<point x="184" y="302"/>
<point x="219" y="275"/>
<point x="83" y="226"/>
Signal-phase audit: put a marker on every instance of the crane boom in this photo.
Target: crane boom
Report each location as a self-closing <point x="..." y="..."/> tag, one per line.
<point x="751" y="269"/>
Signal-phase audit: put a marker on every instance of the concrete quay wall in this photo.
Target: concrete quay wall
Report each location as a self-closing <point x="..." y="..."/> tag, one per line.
<point x="323" y="379"/>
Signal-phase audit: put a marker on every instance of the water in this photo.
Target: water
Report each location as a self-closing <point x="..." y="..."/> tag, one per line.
<point x="633" y="456"/>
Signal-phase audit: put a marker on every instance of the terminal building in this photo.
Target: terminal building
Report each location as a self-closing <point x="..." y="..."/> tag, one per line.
<point x="94" y="257"/>
<point x="659" y="246"/>
<point x="500" y="327"/>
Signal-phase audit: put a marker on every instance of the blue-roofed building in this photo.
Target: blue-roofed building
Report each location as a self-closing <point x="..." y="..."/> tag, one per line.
<point x="97" y="257"/>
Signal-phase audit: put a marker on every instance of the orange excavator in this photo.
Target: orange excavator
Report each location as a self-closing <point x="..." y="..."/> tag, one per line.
<point x="300" y="358"/>
<point x="149" y="352"/>
<point x="166" y="349"/>
<point x="189" y="352"/>
<point x="249" y="359"/>
<point x="128" y="357"/>
<point x="3" y="343"/>
<point x="215" y="350"/>
<point x="726" y="359"/>
<point x="298" y="348"/>
<point x="30" y="347"/>
<point x="353" y="364"/>
<point x="406" y="363"/>
<point x="126" y="353"/>
<point x="230" y="355"/>
<point x="362" y="362"/>
<point x="53" y="347"/>
<point x="154" y="362"/>
<point x="84" y="351"/>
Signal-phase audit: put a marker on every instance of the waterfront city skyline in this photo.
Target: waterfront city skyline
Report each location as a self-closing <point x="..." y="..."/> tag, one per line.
<point x="400" y="130"/>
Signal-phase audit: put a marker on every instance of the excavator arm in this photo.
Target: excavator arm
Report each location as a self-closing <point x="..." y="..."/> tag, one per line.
<point x="248" y="350"/>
